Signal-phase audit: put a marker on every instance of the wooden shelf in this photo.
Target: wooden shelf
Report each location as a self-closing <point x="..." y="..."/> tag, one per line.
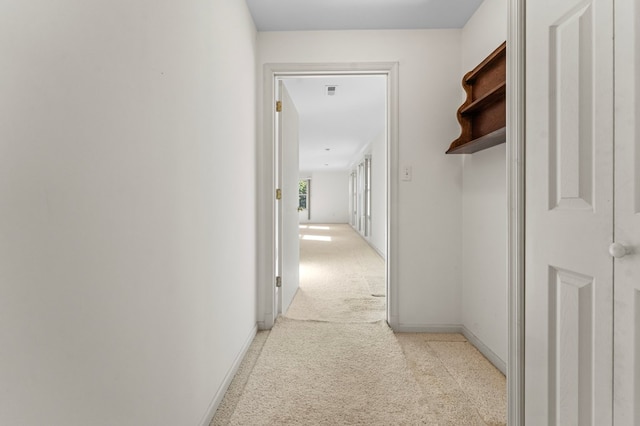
<point x="482" y="116"/>
<point x="495" y="57"/>
<point x="483" y="142"/>
<point x="494" y="95"/>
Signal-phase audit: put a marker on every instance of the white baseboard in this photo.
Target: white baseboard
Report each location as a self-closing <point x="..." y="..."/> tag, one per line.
<point x="485" y="350"/>
<point x="376" y="249"/>
<point x="268" y="319"/>
<point x="392" y="321"/>
<point x="217" y="399"/>
<point x="453" y="328"/>
<point x="432" y="328"/>
<point x="368" y="241"/>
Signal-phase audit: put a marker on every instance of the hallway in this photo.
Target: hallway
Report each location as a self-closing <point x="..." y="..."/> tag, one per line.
<point x="333" y="360"/>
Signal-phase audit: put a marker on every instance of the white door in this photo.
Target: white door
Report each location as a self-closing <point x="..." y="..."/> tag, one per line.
<point x="288" y="217"/>
<point x="627" y="216"/>
<point x="569" y="212"/>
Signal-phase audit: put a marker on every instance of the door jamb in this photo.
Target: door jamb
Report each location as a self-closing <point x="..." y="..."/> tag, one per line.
<point x="516" y="209"/>
<point x="267" y="303"/>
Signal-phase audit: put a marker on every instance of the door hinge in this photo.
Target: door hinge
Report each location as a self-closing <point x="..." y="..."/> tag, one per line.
<point x="278" y="194"/>
<point x="278" y="106"/>
<point x="278" y="282"/>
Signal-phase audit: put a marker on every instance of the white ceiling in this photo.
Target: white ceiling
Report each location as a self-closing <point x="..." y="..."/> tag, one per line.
<point x="334" y="129"/>
<point x="301" y="15"/>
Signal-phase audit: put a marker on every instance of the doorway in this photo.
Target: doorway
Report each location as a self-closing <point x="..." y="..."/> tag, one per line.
<point x="327" y="128"/>
<point x="270" y="261"/>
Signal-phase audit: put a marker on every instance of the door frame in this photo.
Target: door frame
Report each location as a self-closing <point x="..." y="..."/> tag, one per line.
<point x="266" y="172"/>
<point x="516" y="163"/>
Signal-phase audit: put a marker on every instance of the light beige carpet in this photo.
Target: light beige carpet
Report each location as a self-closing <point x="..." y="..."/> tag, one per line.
<point x="320" y="373"/>
<point x="457" y="381"/>
<point x="332" y="360"/>
<point x="377" y="285"/>
<point x="337" y="268"/>
<point x="228" y="405"/>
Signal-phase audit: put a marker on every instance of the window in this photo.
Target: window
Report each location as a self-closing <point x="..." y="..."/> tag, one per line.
<point x="304" y="202"/>
<point x="361" y="187"/>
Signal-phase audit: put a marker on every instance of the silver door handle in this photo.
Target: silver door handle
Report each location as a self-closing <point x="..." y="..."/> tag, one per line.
<point x="617" y="250"/>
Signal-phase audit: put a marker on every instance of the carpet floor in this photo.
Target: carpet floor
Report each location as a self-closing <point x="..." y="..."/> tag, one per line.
<point x="337" y="268"/>
<point x="332" y="359"/>
<point x="320" y="373"/>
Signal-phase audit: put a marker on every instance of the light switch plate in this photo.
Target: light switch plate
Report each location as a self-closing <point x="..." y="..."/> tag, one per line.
<point x="405" y="173"/>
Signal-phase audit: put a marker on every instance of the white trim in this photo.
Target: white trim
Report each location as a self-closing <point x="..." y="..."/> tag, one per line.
<point x="376" y="249"/>
<point x="485" y="350"/>
<point x="228" y="378"/>
<point x="516" y="195"/>
<point x="266" y="309"/>
<point x="393" y="315"/>
<point x="265" y="151"/>
<point x="429" y="328"/>
<point x="366" y="240"/>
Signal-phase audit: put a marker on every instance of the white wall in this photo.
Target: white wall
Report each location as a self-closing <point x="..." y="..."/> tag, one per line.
<point x="430" y="269"/>
<point x="329" y="197"/>
<point x="127" y="259"/>
<point x="484" y="199"/>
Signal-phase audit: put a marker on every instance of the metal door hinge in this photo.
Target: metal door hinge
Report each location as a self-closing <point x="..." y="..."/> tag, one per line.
<point x="278" y="106"/>
<point x="278" y="282"/>
<point x="278" y="194"/>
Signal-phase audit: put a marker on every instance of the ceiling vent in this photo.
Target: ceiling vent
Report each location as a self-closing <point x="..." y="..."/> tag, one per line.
<point x="331" y="90"/>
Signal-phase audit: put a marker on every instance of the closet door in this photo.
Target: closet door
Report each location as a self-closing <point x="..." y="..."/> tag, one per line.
<point x="627" y="216"/>
<point x="569" y="213"/>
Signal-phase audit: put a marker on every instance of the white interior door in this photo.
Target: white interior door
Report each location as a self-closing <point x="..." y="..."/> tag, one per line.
<point x="627" y="216"/>
<point x="569" y="212"/>
<point x="289" y="175"/>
